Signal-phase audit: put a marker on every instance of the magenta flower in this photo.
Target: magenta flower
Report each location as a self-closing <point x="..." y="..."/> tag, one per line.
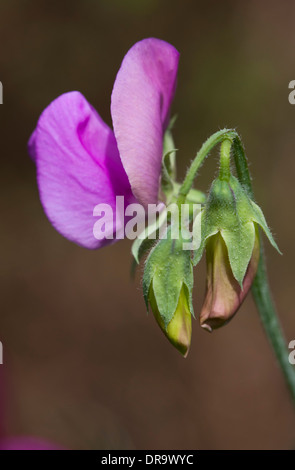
<point x="81" y="162"/>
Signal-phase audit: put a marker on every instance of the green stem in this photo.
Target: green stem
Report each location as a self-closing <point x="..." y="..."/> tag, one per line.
<point x="260" y="287"/>
<point x="224" y="172"/>
<point x="220" y="136"/>
<point x="263" y="299"/>
<point x="241" y="164"/>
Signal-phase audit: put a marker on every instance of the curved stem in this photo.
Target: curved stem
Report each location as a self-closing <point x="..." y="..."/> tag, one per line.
<point x="260" y="287"/>
<point x="220" y="136"/>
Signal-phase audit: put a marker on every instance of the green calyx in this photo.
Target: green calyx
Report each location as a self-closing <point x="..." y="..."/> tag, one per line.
<point x="168" y="268"/>
<point x="230" y="211"/>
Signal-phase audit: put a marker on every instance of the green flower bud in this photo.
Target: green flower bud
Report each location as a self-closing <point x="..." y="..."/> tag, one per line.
<point x="230" y="222"/>
<point x="167" y="288"/>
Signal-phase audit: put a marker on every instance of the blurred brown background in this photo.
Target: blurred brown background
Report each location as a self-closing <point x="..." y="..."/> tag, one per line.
<point x="86" y="366"/>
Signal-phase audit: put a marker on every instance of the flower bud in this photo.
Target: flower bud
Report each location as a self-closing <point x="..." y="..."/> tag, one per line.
<point x="167" y="288"/>
<point x="224" y="295"/>
<point x="230" y="222"/>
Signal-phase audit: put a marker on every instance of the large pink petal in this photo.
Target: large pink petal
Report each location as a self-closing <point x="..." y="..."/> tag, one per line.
<point x="78" y="167"/>
<point x="141" y="99"/>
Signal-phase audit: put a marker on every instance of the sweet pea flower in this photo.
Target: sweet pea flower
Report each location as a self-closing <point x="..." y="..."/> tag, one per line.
<point x="81" y="162"/>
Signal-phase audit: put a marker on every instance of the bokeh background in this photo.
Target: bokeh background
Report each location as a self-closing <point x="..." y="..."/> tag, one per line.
<point x="85" y="366"/>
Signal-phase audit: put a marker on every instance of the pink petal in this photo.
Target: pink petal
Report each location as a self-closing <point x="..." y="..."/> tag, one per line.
<point x="78" y="167"/>
<point x="141" y="99"/>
